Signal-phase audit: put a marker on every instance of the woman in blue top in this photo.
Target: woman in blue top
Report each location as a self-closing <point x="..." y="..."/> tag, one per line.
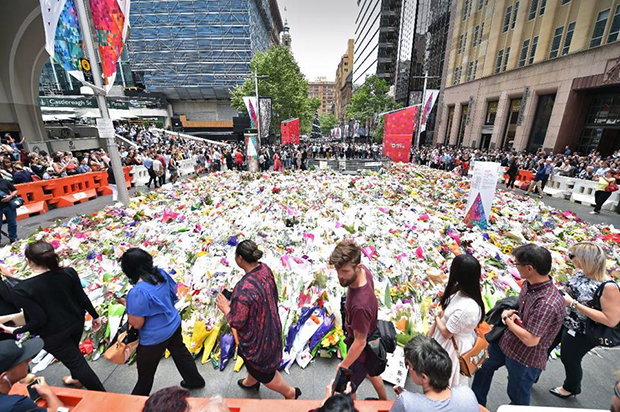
<point x="538" y="179"/>
<point x="150" y="309"/>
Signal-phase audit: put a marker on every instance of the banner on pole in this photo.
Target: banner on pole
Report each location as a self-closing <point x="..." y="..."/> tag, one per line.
<point x="290" y="131"/>
<point x="250" y="105"/>
<point x="430" y="97"/>
<point x="111" y="24"/>
<point x="481" y="194"/>
<point x="265" y="117"/>
<point x="252" y="144"/>
<point x="398" y="132"/>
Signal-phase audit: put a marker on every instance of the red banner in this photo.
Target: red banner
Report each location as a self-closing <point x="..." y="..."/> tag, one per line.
<point x="290" y="131"/>
<point x="398" y="132"/>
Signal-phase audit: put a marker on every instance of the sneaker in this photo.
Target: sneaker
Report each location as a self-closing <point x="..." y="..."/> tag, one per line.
<point x="594" y="213"/>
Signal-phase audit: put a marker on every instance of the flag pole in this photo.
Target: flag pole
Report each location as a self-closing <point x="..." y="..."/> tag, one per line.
<point x="105" y="125"/>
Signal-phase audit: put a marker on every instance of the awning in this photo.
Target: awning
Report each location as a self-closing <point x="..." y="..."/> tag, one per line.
<point x="57" y="117"/>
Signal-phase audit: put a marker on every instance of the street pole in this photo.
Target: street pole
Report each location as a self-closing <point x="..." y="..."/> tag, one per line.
<point x="107" y="129"/>
<point x="417" y="135"/>
<point x="257" y="104"/>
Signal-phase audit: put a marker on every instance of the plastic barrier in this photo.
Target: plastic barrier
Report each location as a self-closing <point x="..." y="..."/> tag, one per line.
<point x="186" y="167"/>
<point x="82" y="400"/>
<point x="140" y="175"/>
<point x="71" y="190"/>
<point x="35" y="199"/>
<point x="128" y="176"/>
<point x="583" y="192"/>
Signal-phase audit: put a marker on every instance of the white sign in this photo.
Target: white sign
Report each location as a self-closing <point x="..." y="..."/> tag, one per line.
<point x="482" y="192"/>
<point x="396" y="370"/>
<point x="105" y="127"/>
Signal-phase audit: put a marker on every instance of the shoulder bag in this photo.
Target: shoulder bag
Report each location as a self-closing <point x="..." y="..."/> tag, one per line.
<point x="380" y="343"/>
<point x="598" y="333"/>
<point x="472" y="360"/>
<point x="124" y="344"/>
<point x="612" y="187"/>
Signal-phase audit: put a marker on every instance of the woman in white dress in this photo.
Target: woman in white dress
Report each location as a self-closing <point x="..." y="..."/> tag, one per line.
<point x="462" y="311"/>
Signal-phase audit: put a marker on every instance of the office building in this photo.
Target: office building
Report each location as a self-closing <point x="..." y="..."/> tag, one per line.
<point x="376" y="40"/>
<point x="325" y="92"/>
<point x="423" y="34"/>
<point x="341" y="95"/>
<point x="195" y="51"/>
<point x="531" y="74"/>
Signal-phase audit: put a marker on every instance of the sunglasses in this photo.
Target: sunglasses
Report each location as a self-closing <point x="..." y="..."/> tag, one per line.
<point x="571" y="256"/>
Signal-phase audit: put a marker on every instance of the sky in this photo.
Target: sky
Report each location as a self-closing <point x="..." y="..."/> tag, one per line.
<point x="320" y="30"/>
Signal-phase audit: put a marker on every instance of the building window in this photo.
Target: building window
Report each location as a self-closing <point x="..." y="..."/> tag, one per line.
<point x="543" y="6"/>
<point x="459" y="49"/>
<point x="533" y="9"/>
<point x="481" y="32"/>
<point x="476" y="34"/>
<point x="568" y="39"/>
<point x="450" y="121"/>
<point x="470" y="69"/>
<point x="506" y="57"/>
<point x="555" y="43"/>
<point x="615" y="26"/>
<point x="599" y="28"/>
<point x="524" y="49"/>
<point x="466" y="9"/>
<point x="507" y="18"/>
<point x="565" y="2"/>
<point x="533" y="50"/>
<point x="480" y="4"/>
<point x="511" y="124"/>
<point x="462" y="125"/>
<point x="491" y="113"/>
<point x="498" y="64"/>
<point x="457" y="75"/>
<point x="473" y="76"/>
<point x="541" y="122"/>
<point x="514" y="15"/>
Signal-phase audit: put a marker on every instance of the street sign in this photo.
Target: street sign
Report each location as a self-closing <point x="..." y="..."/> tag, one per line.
<point x="105" y="127"/>
<point x="87" y="70"/>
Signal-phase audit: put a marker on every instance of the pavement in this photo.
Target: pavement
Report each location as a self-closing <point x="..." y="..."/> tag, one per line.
<point x="600" y="365"/>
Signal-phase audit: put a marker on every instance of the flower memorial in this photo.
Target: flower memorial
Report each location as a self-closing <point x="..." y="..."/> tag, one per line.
<point x="409" y="222"/>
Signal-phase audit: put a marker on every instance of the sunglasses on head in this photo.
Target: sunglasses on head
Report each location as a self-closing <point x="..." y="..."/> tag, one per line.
<point x="571" y="256"/>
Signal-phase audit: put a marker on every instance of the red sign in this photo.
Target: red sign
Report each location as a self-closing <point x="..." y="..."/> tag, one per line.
<point x="398" y="132"/>
<point x="290" y="131"/>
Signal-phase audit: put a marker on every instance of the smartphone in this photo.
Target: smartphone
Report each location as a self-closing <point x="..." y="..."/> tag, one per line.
<point x="32" y="392"/>
<point x="343" y="377"/>
<point x="227" y="294"/>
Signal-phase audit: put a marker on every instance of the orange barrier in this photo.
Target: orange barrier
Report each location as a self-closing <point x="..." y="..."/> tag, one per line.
<point x="35" y="199"/>
<point x="82" y="400"/>
<point x="523" y="178"/>
<point x="71" y="190"/>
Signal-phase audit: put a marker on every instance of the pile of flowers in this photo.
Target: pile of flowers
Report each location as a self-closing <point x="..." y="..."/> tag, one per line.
<point x="408" y="220"/>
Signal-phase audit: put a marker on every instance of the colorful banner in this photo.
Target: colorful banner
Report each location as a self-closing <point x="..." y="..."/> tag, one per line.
<point x="252" y="144"/>
<point x="63" y="37"/>
<point x="398" y="131"/>
<point x="250" y="105"/>
<point x="290" y="131"/>
<point x="481" y="194"/>
<point x="111" y="23"/>
<point x="265" y="117"/>
<point x="430" y="97"/>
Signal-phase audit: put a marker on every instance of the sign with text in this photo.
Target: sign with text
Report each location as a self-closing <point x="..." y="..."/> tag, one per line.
<point x="481" y="194"/>
<point x="290" y="131"/>
<point x="398" y="132"/>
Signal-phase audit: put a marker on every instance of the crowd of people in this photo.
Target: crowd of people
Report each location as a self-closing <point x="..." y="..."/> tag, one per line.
<point x="52" y="305"/>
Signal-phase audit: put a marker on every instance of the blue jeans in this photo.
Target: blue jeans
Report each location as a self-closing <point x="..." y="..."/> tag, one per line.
<point x="11" y="221"/>
<point x="521" y="377"/>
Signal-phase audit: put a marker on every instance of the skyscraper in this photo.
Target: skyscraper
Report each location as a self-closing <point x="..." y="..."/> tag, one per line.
<point x="376" y="39"/>
<point x="342" y="75"/>
<point x="324" y="91"/>
<point x="195" y="51"/>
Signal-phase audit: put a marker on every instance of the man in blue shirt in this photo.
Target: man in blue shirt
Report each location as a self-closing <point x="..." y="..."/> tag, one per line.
<point x="14" y="359"/>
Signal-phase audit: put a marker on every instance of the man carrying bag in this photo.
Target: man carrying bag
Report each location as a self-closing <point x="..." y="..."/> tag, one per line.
<point x="361" y="310"/>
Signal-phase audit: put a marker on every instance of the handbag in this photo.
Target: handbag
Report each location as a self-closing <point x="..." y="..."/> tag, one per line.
<point x="123" y="345"/>
<point x="16" y="202"/>
<point x="598" y="333"/>
<point x="376" y="357"/>
<point x="472" y="360"/>
<point x="612" y="187"/>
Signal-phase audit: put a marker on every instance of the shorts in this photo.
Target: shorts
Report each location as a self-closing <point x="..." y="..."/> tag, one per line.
<point x="359" y="374"/>
<point x="262" y="377"/>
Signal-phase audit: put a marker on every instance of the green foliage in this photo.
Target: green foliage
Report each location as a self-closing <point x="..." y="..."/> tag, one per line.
<point x="328" y="122"/>
<point x="286" y="86"/>
<point x="369" y="100"/>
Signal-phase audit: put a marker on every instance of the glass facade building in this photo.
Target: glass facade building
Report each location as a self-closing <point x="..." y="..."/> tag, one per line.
<point x="199" y="49"/>
<point x="376" y="39"/>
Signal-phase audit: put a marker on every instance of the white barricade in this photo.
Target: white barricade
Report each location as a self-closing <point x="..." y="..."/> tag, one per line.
<point x="560" y="186"/>
<point x="140" y="175"/>
<point x="583" y="192"/>
<point x="186" y="167"/>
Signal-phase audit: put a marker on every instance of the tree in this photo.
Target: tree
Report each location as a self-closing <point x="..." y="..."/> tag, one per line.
<point x="369" y="100"/>
<point x="285" y="85"/>
<point x="328" y="122"/>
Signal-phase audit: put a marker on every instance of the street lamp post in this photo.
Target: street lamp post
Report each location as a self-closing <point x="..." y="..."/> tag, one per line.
<point x="105" y="126"/>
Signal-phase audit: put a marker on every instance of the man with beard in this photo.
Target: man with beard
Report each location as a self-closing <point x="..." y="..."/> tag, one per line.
<point x="361" y="309"/>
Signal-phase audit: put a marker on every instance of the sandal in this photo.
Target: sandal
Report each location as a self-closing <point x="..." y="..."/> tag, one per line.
<point x="69" y="381"/>
<point x="559" y="394"/>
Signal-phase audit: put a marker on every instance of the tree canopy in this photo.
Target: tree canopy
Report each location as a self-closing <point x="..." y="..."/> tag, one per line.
<point x="328" y="122"/>
<point x="285" y="85"/>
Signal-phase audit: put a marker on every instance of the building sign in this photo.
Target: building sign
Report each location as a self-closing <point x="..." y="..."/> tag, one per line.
<point x="526" y="94"/>
<point x="84" y="102"/>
